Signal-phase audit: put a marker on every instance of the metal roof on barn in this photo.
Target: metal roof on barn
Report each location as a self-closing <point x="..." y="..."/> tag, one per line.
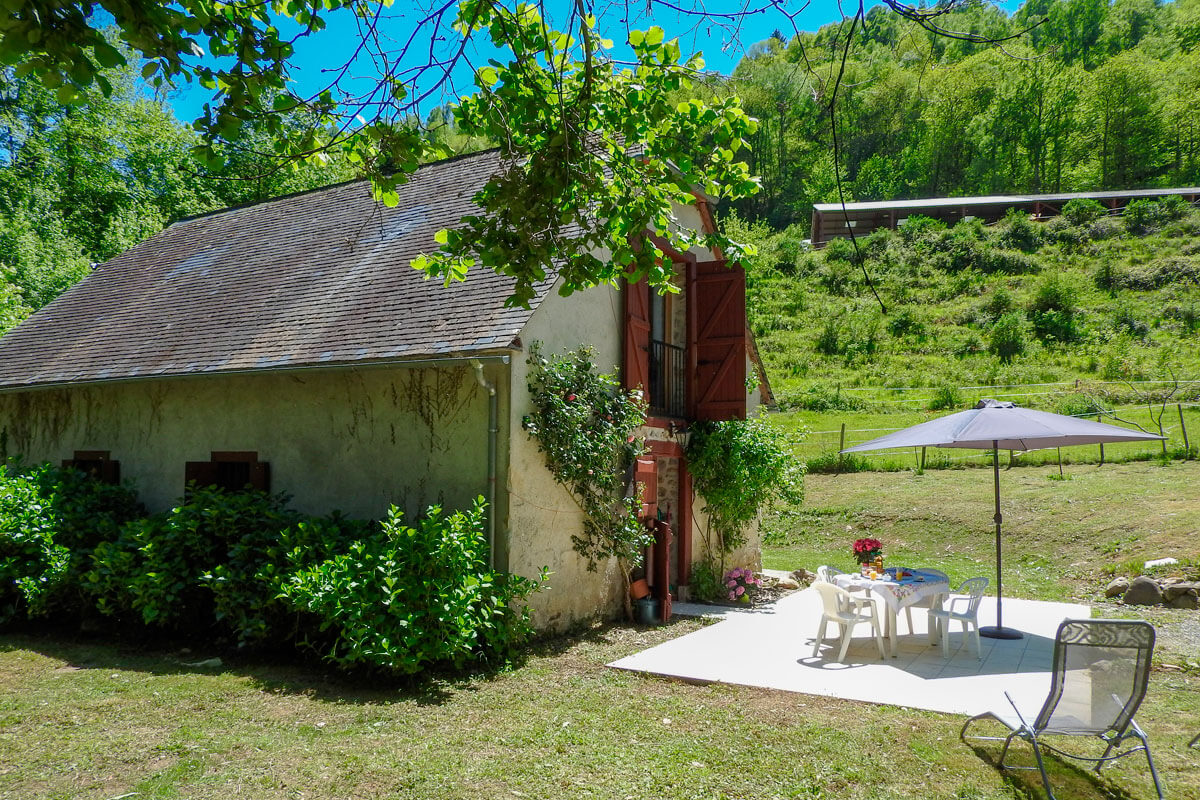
<point x="320" y="278"/>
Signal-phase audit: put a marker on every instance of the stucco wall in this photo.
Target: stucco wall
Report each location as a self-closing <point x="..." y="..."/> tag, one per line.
<point x="542" y="515"/>
<point x="355" y="440"/>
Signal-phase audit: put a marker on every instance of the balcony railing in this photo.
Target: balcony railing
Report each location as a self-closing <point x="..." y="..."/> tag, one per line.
<point x="667" y="370"/>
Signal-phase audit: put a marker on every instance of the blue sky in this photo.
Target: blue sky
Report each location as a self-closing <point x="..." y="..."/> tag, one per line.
<point x="722" y="49"/>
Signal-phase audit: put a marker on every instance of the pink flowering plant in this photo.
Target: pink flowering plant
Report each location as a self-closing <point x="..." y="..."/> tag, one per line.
<point x="741" y="583"/>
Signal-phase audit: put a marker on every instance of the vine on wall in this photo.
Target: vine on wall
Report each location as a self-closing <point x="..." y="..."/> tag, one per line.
<point x="585" y="425"/>
<point x="740" y="467"/>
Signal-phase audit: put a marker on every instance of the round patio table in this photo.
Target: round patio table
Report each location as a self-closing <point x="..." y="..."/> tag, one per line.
<point x="898" y="594"/>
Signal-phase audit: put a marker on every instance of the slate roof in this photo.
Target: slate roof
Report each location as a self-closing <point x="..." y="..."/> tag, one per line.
<point x="318" y="278"/>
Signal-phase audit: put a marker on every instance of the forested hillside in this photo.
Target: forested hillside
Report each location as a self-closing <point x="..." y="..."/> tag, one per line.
<point x="1087" y="297"/>
<point x="1095" y="95"/>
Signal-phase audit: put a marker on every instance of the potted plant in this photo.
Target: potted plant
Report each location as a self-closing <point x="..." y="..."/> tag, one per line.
<point x="867" y="550"/>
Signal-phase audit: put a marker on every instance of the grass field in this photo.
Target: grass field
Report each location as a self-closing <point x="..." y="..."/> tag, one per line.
<point x="818" y="436"/>
<point x="83" y="718"/>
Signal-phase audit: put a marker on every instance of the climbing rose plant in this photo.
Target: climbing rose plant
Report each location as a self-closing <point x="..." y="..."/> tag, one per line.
<point x="739" y="467"/>
<point x="585" y="425"/>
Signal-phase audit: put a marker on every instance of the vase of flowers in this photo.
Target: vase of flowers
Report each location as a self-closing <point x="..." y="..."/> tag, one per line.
<point x="867" y="550"/>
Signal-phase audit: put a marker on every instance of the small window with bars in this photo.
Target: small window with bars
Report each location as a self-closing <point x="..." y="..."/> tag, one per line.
<point x="233" y="470"/>
<point x="96" y="463"/>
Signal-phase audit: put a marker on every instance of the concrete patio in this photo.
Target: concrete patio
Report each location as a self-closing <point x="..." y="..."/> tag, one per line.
<point x="771" y="647"/>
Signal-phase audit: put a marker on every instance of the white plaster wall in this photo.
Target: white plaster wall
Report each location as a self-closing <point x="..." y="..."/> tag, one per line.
<point x="354" y="440"/>
<point x="542" y="516"/>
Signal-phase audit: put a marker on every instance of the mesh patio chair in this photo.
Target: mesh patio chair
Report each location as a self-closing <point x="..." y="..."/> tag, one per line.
<point x="1101" y="668"/>
<point x="962" y="606"/>
<point x="846" y="611"/>
<point x="1195" y="742"/>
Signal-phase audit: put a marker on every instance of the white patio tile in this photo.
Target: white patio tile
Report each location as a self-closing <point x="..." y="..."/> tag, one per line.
<point x="772" y="648"/>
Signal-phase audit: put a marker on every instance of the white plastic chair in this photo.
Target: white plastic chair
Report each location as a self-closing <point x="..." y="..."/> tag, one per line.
<point x="827" y="574"/>
<point x="962" y="606"/>
<point x="846" y="611"/>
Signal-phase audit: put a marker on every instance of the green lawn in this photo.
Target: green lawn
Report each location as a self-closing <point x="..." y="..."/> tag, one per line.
<point x="85" y="718"/>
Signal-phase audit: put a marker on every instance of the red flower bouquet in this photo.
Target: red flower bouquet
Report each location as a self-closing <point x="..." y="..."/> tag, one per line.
<point x="865" y="550"/>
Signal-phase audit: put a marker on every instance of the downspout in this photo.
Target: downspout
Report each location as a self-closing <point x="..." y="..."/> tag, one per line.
<point x="493" y="431"/>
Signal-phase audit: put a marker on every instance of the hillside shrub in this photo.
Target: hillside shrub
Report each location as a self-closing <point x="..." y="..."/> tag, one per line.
<point x="1083" y="211"/>
<point x="917" y="227"/>
<point x="1018" y="232"/>
<point x="831" y="462"/>
<point x="1127" y="319"/>
<point x="412" y="596"/>
<point x="1008" y="337"/>
<point x="1008" y="262"/>
<point x="1108" y="276"/>
<point x="820" y="397"/>
<point x="829" y="341"/>
<point x="906" y="322"/>
<point x="32" y="565"/>
<point x="1143" y="215"/>
<point x="1105" y="228"/>
<point x="1161" y="272"/>
<point x="945" y="397"/>
<point x="1053" y="309"/>
<point x="1173" y="207"/>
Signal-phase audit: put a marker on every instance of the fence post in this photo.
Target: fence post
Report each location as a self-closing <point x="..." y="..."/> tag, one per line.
<point x="1187" y="450"/>
<point x="922" y="459"/>
<point x="1060" y="472"/>
<point x="841" y="447"/>
<point x="1100" y="418"/>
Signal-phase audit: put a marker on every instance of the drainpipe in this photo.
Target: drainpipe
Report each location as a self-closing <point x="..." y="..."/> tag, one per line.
<point x="493" y="431"/>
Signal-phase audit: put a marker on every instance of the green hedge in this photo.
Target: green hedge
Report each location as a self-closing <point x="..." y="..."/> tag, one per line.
<point x="242" y="567"/>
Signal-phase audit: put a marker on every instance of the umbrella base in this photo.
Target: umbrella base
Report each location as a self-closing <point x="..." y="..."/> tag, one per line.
<point x="993" y="632"/>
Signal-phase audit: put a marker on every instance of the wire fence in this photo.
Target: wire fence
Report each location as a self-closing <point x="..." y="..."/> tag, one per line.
<point x="821" y="448"/>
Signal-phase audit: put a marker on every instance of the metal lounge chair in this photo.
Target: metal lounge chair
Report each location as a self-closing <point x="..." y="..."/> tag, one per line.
<point x="962" y="606"/>
<point x="1101" y="668"/>
<point x="846" y="611"/>
<point x="1195" y="742"/>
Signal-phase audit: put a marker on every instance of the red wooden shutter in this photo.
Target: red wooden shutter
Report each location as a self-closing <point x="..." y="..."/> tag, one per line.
<point x="636" y="371"/>
<point x="202" y="473"/>
<point x="717" y="349"/>
<point x="260" y="476"/>
<point x="646" y="473"/>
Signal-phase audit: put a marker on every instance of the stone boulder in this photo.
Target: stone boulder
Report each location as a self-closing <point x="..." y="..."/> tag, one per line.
<point x="1180" y="589"/>
<point x="1143" y="591"/>
<point x="1185" y="601"/>
<point x="1117" y="587"/>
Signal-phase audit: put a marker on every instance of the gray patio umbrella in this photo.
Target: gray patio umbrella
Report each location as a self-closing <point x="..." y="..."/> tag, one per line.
<point x="995" y="425"/>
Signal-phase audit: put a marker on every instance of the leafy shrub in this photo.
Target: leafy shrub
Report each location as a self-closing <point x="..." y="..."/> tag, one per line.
<point x="1108" y="276"/>
<point x="918" y="226"/>
<point x="829" y="342"/>
<point x="842" y="249"/>
<point x="195" y="565"/>
<point x="1000" y="303"/>
<point x="414" y="596"/>
<point x="945" y="397"/>
<point x="820" y="397"/>
<point x="51" y="519"/>
<point x="1125" y="318"/>
<point x="1083" y="211"/>
<point x="705" y="581"/>
<point x="1019" y="232"/>
<point x="967" y="344"/>
<point x="1173" y="207"/>
<point x="32" y="565"/>
<point x="1162" y="272"/>
<point x="1143" y="215"/>
<point x="906" y="323"/>
<point x="1105" y="228"/>
<point x="1053" y="310"/>
<point x="832" y="462"/>
<point x="1008" y="336"/>
<point x="739" y="467"/>
<point x="1187" y="315"/>
<point x="1009" y="262"/>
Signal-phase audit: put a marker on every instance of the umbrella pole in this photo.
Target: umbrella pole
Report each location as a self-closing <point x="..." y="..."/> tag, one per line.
<point x="998" y="631"/>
